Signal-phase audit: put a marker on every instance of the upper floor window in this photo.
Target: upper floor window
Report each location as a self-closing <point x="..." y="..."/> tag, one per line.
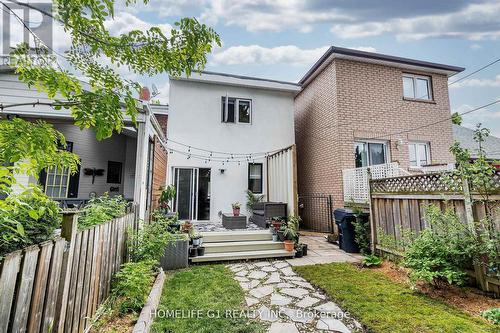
<point x="417" y="86"/>
<point x="370" y="153"/>
<point x="419" y="154"/>
<point x="236" y="110"/>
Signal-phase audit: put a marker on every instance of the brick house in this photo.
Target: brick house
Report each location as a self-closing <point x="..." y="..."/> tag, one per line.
<point x="360" y="109"/>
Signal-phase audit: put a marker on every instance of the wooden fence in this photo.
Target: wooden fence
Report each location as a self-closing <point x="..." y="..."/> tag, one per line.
<point x="399" y="204"/>
<point x="57" y="286"/>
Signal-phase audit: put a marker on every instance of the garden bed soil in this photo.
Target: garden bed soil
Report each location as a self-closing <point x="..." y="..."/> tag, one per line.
<point x="468" y="299"/>
<point x="116" y="324"/>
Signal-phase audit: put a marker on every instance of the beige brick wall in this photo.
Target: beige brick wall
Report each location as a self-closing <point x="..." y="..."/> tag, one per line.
<point x="352" y="100"/>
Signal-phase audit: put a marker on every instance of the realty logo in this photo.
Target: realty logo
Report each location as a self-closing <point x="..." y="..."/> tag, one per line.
<point x="18" y="16"/>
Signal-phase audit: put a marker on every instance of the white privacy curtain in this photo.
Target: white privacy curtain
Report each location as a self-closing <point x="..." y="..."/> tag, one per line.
<point x="282" y="178"/>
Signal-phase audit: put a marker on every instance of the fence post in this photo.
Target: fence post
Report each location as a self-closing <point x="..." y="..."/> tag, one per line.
<point x="373" y="229"/>
<point x="478" y="268"/>
<point x="468" y="205"/>
<point x="68" y="232"/>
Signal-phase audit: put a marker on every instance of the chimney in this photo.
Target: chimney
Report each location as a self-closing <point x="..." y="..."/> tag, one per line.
<point x="145" y="94"/>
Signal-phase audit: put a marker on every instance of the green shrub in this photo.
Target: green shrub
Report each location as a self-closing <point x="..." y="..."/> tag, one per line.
<point x="101" y="210"/>
<point x="371" y="261"/>
<point x="362" y="230"/>
<point x="150" y="241"/>
<point x="442" y="252"/>
<point x="492" y="315"/>
<point x="26" y="219"/>
<point x="131" y="286"/>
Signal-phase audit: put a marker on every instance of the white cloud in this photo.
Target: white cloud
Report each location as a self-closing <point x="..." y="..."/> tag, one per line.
<point x="287" y="54"/>
<point x="255" y="54"/>
<point x="268" y="15"/>
<point x="125" y="22"/>
<point x="475" y="46"/>
<point x="483" y="83"/>
<point x="365" y="48"/>
<point x="474" y="22"/>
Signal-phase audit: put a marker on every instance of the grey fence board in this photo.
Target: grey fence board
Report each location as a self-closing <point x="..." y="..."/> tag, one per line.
<point x="10" y="268"/>
<point x="57" y="286"/>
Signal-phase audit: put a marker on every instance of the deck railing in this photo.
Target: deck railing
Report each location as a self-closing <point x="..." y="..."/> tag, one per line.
<point x="356" y="187"/>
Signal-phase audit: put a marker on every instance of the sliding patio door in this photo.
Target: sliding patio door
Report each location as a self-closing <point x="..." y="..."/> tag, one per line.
<point x="193" y="193"/>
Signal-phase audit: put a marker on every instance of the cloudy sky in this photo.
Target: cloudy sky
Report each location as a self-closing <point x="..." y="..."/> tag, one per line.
<point x="281" y="39"/>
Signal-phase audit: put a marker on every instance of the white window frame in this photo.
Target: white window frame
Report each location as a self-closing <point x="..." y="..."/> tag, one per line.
<point x="386" y="149"/>
<point x="427" y="153"/>
<point x="55" y="171"/>
<point x="236" y="110"/>
<point x="414" y="78"/>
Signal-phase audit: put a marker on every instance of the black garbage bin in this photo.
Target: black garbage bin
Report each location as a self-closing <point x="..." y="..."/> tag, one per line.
<point x="345" y="218"/>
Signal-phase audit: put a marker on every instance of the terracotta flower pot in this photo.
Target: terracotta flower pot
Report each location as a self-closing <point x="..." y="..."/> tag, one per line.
<point x="277" y="224"/>
<point x="289" y="245"/>
<point x="236" y="211"/>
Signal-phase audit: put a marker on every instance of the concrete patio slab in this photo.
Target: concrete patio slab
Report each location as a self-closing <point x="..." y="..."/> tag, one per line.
<point x="319" y="251"/>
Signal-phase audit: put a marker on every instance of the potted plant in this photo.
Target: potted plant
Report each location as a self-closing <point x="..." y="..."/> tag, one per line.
<point x="290" y="233"/>
<point x="304" y="249"/>
<point x="280" y="232"/>
<point x="167" y="194"/>
<point x="201" y="251"/>
<point x="193" y="252"/>
<point x="236" y="208"/>
<point x="197" y="240"/>
<point x="299" y="250"/>
<point x="187" y="227"/>
<point x="176" y="253"/>
<point x="277" y="222"/>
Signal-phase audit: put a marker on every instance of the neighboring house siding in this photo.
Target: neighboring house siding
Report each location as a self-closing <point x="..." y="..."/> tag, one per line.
<point x="353" y="100"/>
<point x="159" y="171"/>
<point x="96" y="154"/>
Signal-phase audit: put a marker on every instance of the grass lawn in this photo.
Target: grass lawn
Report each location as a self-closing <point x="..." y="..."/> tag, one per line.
<point x="209" y="288"/>
<point x="385" y="306"/>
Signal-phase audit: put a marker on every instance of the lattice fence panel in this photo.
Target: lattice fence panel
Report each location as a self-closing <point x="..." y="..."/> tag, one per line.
<point x="426" y="183"/>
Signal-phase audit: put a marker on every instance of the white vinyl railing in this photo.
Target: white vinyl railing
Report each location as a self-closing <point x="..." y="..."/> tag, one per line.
<point x="356" y="187"/>
<point x="437" y="168"/>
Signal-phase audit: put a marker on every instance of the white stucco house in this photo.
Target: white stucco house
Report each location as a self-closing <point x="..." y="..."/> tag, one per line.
<point x="124" y="164"/>
<point x="227" y="134"/>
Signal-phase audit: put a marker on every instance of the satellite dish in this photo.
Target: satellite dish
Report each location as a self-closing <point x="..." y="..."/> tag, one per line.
<point x="155" y="91"/>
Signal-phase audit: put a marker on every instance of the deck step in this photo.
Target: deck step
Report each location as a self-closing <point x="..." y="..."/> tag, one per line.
<point x="242" y="255"/>
<point x="236" y="236"/>
<point x="221" y="247"/>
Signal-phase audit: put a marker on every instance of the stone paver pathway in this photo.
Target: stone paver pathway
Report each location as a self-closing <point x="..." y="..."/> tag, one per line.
<point x="285" y="302"/>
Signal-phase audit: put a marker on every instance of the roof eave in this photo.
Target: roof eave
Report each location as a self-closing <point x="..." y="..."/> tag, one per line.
<point x="382" y="59"/>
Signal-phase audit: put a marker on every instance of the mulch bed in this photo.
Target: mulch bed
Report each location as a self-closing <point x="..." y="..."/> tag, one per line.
<point x="468" y="299"/>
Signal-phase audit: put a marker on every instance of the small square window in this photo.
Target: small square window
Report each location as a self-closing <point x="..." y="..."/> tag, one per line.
<point x="114" y="172"/>
<point x="417" y="87"/>
<point x="238" y="110"/>
<point x="419" y="154"/>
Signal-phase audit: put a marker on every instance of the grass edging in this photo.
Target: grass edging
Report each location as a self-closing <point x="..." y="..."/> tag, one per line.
<point x="383" y="305"/>
<point x="145" y="319"/>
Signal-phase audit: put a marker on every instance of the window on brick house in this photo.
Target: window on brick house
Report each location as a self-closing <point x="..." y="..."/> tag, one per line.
<point x="236" y="110"/>
<point x="419" y="154"/>
<point x="370" y="153"/>
<point x="417" y="87"/>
